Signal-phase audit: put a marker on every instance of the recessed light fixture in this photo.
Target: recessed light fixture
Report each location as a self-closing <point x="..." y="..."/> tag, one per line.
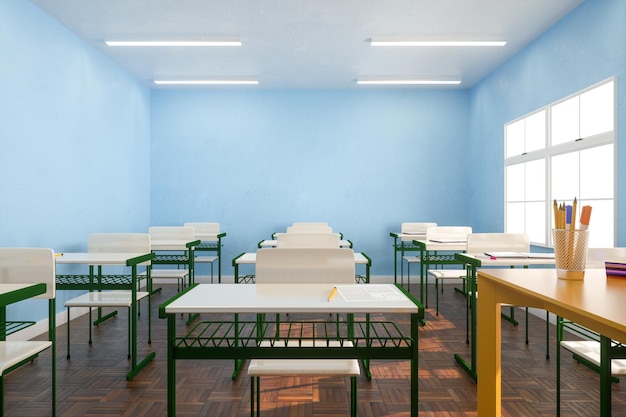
<point x="408" y="82"/>
<point x="206" y="82"/>
<point x="436" y="43"/>
<point x="173" y="43"/>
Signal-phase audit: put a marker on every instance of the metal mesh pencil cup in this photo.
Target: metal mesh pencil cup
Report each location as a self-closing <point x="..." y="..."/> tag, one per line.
<point x="570" y="253"/>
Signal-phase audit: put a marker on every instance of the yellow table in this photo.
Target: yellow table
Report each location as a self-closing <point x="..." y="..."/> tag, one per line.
<point x="597" y="302"/>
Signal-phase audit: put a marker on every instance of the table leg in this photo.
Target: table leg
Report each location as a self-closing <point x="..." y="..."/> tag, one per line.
<point x="489" y="353"/>
<point x="470" y="324"/>
<point x="171" y="366"/>
<point x="605" y="376"/>
<point x="415" y="320"/>
<point x="135" y="367"/>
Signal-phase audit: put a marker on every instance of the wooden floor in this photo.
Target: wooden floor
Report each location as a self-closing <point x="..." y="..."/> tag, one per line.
<point x="92" y="382"/>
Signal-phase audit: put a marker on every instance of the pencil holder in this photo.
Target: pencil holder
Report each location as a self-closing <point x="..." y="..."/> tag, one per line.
<point x="570" y="253"/>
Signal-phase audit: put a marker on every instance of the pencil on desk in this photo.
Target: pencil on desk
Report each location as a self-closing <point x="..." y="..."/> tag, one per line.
<point x="332" y="294"/>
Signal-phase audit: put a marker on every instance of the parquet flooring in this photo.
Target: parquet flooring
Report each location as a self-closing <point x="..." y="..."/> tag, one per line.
<point x="92" y="382"/>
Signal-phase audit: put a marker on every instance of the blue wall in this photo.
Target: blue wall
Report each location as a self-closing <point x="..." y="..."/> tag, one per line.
<point x="86" y="148"/>
<point x="584" y="48"/>
<point x="75" y="133"/>
<point x="256" y="161"/>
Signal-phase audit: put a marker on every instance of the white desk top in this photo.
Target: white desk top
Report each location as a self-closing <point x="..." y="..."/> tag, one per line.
<point x="291" y="298"/>
<point x="271" y="243"/>
<point x="250" y="258"/>
<point x="97" y="258"/>
<point x="489" y="261"/>
<point x="410" y="236"/>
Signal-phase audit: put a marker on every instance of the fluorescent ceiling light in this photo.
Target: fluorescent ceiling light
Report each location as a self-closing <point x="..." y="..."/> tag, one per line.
<point x="206" y="82"/>
<point x="173" y="43"/>
<point x="408" y="82"/>
<point x="437" y="43"/>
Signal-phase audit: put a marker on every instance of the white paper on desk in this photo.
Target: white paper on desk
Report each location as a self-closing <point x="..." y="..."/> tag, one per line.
<point x="369" y="292"/>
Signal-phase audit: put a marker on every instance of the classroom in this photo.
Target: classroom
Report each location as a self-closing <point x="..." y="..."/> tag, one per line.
<point x="89" y="148"/>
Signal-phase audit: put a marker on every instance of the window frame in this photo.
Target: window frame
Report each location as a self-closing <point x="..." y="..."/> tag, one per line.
<point x="549" y="151"/>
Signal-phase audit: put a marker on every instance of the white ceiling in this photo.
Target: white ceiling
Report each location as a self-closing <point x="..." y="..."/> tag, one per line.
<point x="309" y="43"/>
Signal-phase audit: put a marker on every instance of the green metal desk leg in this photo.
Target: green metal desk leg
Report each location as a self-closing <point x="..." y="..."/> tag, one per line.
<point x="53" y="338"/>
<point x="171" y="366"/>
<point x="605" y="376"/>
<point x="414" y="365"/>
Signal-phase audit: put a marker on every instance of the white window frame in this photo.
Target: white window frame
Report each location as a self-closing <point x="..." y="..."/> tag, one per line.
<point x="550" y="151"/>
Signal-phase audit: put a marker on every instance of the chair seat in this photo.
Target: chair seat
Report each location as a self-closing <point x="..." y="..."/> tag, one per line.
<point x="167" y="273"/>
<point x="264" y="367"/>
<point x="205" y="259"/>
<point x="15" y="352"/>
<point x="590" y="350"/>
<point x="411" y="259"/>
<point x="448" y="273"/>
<point x="104" y="299"/>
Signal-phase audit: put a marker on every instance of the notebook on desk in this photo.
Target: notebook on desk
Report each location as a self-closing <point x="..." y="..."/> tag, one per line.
<point x="449" y="240"/>
<point x="524" y="255"/>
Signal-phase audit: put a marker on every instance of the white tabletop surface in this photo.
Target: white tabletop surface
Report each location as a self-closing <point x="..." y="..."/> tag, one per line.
<point x="410" y="236"/>
<point x="292" y="298"/>
<point x="97" y="258"/>
<point x="250" y="258"/>
<point x="486" y="260"/>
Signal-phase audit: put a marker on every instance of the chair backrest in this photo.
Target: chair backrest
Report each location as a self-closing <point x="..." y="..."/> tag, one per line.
<point x="307" y="240"/>
<point x="172" y="233"/>
<point x="28" y="265"/>
<point x="204" y="231"/>
<point x="497" y="242"/>
<point x="305" y="266"/>
<point x="597" y="256"/>
<point x="119" y="243"/>
<point x="416" y="229"/>
<point x="310" y="229"/>
<point x="448" y="232"/>
<point x="309" y="224"/>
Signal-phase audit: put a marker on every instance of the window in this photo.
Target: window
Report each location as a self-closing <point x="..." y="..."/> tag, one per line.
<point x="559" y="152"/>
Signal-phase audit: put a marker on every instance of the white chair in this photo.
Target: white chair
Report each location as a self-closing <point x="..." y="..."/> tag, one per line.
<point x="304" y="265"/>
<point x="309" y="228"/>
<point x="211" y="241"/>
<point x="409" y="231"/>
<point x="164" y="273"/>
<point x="445" y="234"/>
<point x="448" y="233"/>
<point x="307" y="240"/>
<point x="114" y="243"/>
<point x="20" y="266"/>
<point x="314" y="224"/>
<point x="299" y="367"/>
<point x="479" y="243"/>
